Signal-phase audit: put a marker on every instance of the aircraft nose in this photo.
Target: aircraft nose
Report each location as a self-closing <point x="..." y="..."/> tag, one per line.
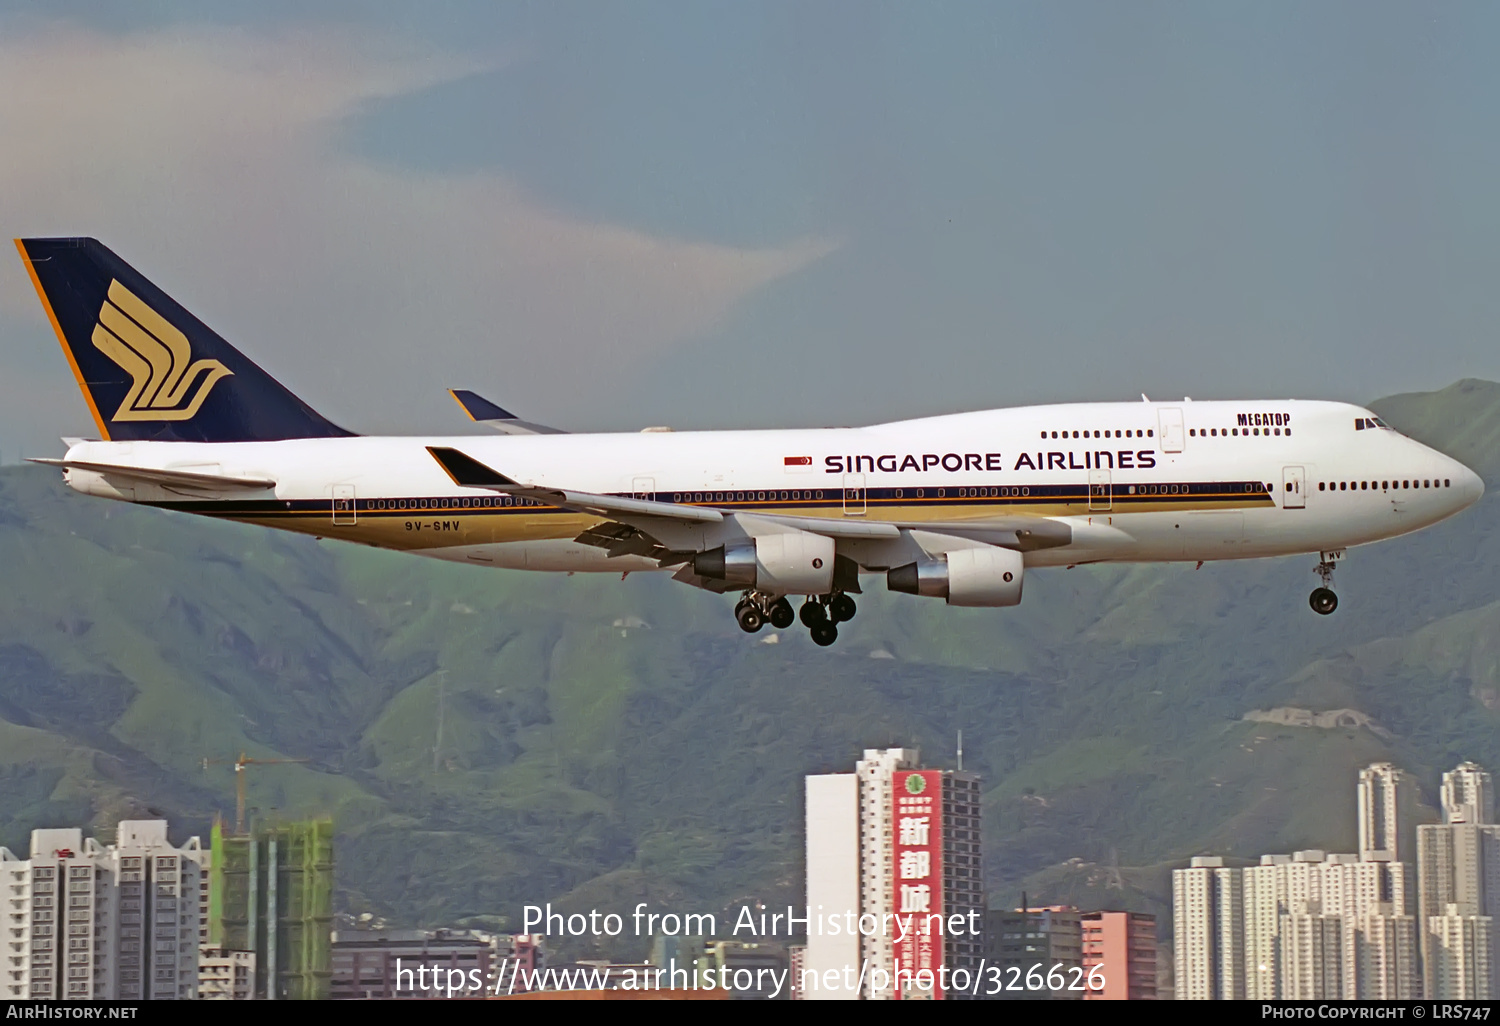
<point x="1467" y="485"/>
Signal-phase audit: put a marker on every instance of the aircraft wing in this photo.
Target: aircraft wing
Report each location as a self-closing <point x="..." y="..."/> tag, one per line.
<point x="672" y="533"/>
<point x="640" y="524"/>
<point x="635" y="527"/>
<point x="468" y="472"/>
<point x="166" y="478"/>
<point x="482" y="411"/>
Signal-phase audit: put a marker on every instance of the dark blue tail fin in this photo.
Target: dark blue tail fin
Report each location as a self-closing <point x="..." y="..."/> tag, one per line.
<point x="147" y="367"/>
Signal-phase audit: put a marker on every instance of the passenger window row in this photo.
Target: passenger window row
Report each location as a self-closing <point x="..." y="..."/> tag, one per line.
<point x="796" y="496"/>
<point x="446" y="504"/>
<point x="1227" y="432"/>
<point x="1365" y="486"/>
<point x="1148" y="433"/>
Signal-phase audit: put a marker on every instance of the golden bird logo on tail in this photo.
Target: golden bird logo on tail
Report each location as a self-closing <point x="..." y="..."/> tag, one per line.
<point x="157" y="357"/>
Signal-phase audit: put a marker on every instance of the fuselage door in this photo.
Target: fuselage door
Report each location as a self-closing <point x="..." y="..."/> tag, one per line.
<point x="854" y="495"/>
<point x="343" y="504"/>
<point x="1293" y="488"/>
<point x="1099" y="490"/>
<point x="1170" y="422"/>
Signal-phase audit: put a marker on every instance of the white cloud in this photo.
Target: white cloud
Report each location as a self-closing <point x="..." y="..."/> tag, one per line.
<point x="211" y="160"/>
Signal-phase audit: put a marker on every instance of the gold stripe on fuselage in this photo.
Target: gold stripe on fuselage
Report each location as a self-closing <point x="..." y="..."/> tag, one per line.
<point x="443" y="527"/>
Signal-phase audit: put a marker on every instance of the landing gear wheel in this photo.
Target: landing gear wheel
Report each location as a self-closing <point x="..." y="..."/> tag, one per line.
<point x="750" y="618"/>
<point x="781" y="615"/>
<point x="1323" y="601"/>
<point x="841" y="608"/>
<point x="812" y="614"/>
<point x="824" y="634"/>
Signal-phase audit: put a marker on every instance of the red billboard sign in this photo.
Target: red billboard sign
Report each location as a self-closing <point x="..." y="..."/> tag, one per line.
<point x="917" y="865"/>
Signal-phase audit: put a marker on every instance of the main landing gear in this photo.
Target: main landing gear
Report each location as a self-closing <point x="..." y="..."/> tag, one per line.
<point x="1323" y="600"/>
<point x="821" y="615"/>
<point x="755" y="610"/>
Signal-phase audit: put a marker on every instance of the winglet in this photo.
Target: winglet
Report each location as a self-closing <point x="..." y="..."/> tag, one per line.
<point x="481" y="411"/>
<point x="467" y="472"/>
<point x="478" y="407"/>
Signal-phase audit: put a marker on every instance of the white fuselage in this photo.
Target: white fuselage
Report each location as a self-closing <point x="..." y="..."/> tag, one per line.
<point x="1134" y="482"/>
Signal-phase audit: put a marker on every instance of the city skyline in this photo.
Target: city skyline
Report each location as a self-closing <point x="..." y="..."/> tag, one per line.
<point x="1314" y="925"/>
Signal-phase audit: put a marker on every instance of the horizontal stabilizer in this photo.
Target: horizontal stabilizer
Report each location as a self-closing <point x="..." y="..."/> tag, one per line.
<point x="482" y="411"/>
<point x="166" y="478"/>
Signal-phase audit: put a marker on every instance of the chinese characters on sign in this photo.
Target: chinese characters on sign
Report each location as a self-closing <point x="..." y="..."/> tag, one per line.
<point x="918" y="864"/>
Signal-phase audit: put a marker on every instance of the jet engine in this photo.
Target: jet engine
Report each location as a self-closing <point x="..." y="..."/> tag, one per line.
<point x="986" y="576"/>
<point x="789" y="563"/>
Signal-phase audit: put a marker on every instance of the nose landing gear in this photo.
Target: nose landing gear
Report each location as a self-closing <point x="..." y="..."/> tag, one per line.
<point x="1323" y="600"/>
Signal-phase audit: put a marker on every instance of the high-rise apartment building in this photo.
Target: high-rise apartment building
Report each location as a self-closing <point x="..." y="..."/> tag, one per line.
<point x="1122" y="947"/>
<point x="1305" y="925"/>
<point x="1468" y="795"/>
<point x="1263" y="891"/>
<point x="1035" y="938"/>
<point x="225" y="975"/>
<point x="833" y="884"/>
<point x="877" y="871"/>
<point x="271" y="894"/>
<point x="1458" y="889"/>
<point x="891" y="839"/>
<point x="85" y="921"/>
<point x="1311" y="956"/>
<point x="1380" y="794"/>
<point x="1460" y="956"/>
<point x="1381" y="951"/>
<point x="1207" y="914"/>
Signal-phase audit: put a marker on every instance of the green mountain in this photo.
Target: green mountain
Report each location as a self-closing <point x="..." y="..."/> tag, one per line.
<point x="487" y="739"/>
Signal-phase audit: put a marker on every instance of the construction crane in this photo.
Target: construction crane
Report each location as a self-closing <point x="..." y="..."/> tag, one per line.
<point x="239" y="782"/>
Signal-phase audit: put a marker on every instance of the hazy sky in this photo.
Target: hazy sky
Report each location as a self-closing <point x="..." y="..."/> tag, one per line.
<point x="609" y="215"/>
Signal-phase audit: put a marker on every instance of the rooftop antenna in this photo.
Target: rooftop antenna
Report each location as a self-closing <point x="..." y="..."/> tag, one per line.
<point x="960" y="751"/>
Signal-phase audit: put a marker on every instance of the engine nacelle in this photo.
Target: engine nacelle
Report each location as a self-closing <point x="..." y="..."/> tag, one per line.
<point x="789" y="563"/>
<point x="987" y="576"/>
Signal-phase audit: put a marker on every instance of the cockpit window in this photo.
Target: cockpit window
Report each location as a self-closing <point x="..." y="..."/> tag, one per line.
<point x="1360" y="423"/>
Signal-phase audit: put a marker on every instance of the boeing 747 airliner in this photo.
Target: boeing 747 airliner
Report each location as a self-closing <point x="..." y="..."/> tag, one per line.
<point x="956" y="507"/>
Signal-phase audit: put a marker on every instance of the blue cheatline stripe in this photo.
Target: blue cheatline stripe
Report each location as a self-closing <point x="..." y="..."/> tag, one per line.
<point x="999" y="497"/>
